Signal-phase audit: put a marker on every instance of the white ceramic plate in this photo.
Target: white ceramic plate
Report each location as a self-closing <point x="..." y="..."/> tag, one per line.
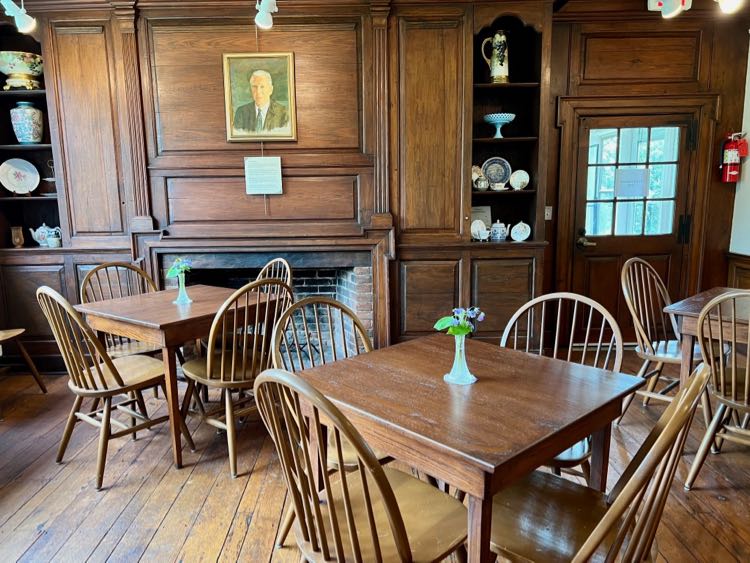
<point x="19" y="176"/>
<point x="497" y="170"/>
<point x="519" y="179"/>
<point x="477" y="227"/>
<point x="520" y="231"/>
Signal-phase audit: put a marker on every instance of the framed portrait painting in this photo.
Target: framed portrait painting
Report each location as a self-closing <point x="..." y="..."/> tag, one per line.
<point x="259" y="97"/>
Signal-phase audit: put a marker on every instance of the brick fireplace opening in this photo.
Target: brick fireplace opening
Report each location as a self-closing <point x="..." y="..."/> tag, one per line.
<point x="344" y="276"/>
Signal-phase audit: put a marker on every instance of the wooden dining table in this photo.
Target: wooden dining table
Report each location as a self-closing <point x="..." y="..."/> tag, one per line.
<point x="480" y="438"/>
<point x="687" y="312"/>
<point x="154" y="319"/>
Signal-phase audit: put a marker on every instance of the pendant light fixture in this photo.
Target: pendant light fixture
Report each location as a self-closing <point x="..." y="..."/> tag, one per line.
<point x="669" y="8"/>
<point x="730" y="6"/>
<point x="24" y="22"/>
<point x="264" y="19"/>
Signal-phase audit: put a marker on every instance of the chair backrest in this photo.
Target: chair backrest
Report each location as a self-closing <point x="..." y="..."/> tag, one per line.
<point x="291" y="410"/>
<point x="84" y="356"/>
<point x="646" y="296"/>
<point x="115" y="279"/>
<point x="279" y="269"/>
<point x="584" y="331"/>
<point x="239" y="342"/>
<point x="112" y="280"/>
<point x="316" y="331"/>
<point x="724" y="340"/>
<point x="637" y="500"/>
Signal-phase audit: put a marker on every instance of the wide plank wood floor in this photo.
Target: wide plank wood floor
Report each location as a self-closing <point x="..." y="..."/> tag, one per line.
<point x="152" y="512"/>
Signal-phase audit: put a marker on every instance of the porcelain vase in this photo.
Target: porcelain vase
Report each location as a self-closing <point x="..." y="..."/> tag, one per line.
<point x="460" y="374"/>
<point x="27" y="123"/>
<point x="182" y="296"/>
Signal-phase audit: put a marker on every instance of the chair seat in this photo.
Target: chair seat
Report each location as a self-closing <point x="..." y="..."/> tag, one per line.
<point x="135" y="371"/>
<point x="435" y="522"/>
<point x="11" y="333"/>
<point x="130" y="348"/>
<point x="545" y="518"/>
<point x="197" y="370"/>
<point x="575" y="454"/>
<point x="348" y="454"/>
<point x="669" y="351"/>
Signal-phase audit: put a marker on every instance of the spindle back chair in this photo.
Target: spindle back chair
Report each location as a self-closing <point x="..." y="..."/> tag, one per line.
<point x="279" y="269"/>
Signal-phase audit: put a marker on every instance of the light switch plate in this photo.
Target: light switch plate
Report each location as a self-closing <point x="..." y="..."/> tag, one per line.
<point x="548" y="213"/>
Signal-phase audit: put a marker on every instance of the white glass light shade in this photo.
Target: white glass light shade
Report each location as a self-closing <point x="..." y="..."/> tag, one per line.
<point x="671" y="8"/>
<point x="264" y="20"/>
<point x="730" y="6"/>
<point x="24" y="22"/>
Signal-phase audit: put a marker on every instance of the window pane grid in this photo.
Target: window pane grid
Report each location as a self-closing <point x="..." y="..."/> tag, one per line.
<point x="608" y="212"/>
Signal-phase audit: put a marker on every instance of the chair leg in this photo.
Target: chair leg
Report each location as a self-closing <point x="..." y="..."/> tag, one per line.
<point x="719" y="440"/>
<point x="653" y="380"/>
<point x="286" y="526"/>
<point x="708" y="439"/>
<point x="180" y="357"/>
<point x="32" y="366"/>
<point x="586" y="470"/>
<point x="188" y="397"/>
<point x="69" y="428"/>
<point x="629" y="399"/>
<point x="103" y="442"/>
<point x="231" y="433"/>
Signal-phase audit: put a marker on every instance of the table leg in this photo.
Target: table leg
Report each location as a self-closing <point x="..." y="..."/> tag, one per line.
<point x="600" y="458"/>
<point x="687" y="344"/>
<point x="480" y="525"/>
<point x="173" y="402"/>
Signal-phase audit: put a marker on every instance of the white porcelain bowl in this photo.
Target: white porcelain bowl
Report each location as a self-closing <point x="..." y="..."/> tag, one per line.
<point x="19" y="62"/>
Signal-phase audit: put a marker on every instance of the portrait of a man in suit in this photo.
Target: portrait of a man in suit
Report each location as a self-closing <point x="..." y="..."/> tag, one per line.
<point x="259" y="97"/>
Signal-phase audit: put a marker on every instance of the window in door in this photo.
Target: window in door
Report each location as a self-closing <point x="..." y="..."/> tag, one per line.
<point x="631" y="181"/>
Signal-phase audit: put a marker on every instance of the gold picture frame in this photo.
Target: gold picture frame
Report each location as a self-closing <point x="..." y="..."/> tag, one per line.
<point x="259" y="97"/>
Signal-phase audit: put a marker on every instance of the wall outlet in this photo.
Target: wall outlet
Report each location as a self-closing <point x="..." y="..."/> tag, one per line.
<point x="548" y="213"/>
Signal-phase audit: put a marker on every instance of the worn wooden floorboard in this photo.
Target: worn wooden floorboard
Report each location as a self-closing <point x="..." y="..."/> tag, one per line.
<point x="148" y="511"/>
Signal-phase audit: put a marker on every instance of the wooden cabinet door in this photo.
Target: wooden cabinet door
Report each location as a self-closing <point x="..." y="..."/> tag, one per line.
<point x="433" y="95"/>
<point x="499" y="286"/>
<point x="80" y="77"/>
<point x="428" y="290"/>
<point x="20" y="307"/>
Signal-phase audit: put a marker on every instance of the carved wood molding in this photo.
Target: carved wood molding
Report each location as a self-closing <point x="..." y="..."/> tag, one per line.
<point x="380" y="11"/>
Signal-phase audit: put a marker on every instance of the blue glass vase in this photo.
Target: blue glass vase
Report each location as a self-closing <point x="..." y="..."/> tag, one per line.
<point x="182" y="296"/>
<point x="460" y="374"/>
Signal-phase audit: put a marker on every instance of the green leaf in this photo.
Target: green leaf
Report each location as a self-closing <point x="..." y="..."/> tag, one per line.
<point x="173" y="271"/>
<point x="459" y="330"/>
<point x="444" y="323"/>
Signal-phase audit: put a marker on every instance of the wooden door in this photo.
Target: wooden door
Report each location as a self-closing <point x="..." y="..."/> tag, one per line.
<point x="631" y="199"/>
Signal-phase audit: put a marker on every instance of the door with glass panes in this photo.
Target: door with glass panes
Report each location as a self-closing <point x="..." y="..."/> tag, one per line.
<point x="631" y="200"/>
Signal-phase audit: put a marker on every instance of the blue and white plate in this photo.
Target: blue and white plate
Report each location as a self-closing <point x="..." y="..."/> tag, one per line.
<point x="497" y="170"/>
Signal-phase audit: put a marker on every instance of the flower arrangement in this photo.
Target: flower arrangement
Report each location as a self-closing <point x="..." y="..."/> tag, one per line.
<point x="179" y="266"/>
<point x="461" y="322"/>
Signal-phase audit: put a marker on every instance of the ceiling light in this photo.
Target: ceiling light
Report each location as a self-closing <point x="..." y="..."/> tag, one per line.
<point x="264" y="19"/>
<point x="24" y="22"/>
<point x="729" y="6"/>
<point x="669" y="8"/>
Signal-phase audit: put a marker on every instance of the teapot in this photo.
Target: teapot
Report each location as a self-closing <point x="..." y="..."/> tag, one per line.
<point x="41" y="234"/>
<point x="498" y="62"/>
<point x="498" y="232"/>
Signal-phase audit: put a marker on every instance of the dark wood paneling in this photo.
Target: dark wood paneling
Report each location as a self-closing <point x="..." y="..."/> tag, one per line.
<point x="431" y="106"/>
<point x="86" y="115"/>
<point x="669" y="58"/>
<point x="499" y="287"/>
<point x="429" y="290"/>
<point x="739" y="271"/>
<point x="218" y="200"/>
<point x="19" y="285"/>
<point x="188" y="84"/>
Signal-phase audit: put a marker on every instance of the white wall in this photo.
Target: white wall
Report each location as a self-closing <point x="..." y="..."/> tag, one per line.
<point x="740" y="243"/>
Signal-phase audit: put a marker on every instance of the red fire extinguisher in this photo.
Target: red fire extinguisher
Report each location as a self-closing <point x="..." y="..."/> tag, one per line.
<point x="733" y="149"/>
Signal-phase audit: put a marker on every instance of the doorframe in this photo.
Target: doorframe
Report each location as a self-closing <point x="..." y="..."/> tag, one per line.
<point x="704" y="109"/>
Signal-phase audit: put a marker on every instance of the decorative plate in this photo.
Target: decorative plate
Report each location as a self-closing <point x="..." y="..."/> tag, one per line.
<point x="497" y="170"/>
<point x="520" y="231"/>
<point x="19" y="176"/>
<point x="477" y="228"/>
<point x="519" y="179"/>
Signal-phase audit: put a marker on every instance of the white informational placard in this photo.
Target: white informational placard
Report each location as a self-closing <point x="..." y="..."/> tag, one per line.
<point x="262" y="175"/>
<point x="631" y="182"/>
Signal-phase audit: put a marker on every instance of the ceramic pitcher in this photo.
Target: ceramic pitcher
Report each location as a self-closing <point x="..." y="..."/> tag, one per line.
<point x="498" y="62"/>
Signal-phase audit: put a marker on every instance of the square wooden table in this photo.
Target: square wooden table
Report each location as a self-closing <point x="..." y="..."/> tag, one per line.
<point x="687" y="312"/>
<point x="153" y="318"/>
<point x="522" y="412"/>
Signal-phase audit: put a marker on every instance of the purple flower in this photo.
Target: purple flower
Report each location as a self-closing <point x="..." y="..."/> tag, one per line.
<point x="459" y="311"/>
<point x="480" y="317"/>
<point x="472" y="312"/>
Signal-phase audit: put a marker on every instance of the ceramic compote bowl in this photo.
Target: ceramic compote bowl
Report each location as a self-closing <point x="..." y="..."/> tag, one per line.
<point x="498" y="120"/>
<point x="21" y="68"/>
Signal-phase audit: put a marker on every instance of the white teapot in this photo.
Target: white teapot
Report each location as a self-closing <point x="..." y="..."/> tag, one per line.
<point x="41" y="234"/>
<point x="499" y="231"/>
